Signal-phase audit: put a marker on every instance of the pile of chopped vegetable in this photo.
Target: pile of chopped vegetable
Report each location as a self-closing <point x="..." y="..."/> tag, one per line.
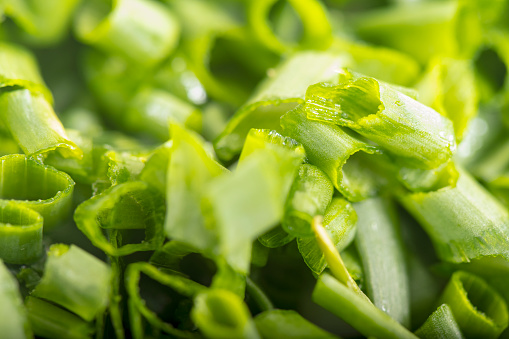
<point x="254" y="169"/>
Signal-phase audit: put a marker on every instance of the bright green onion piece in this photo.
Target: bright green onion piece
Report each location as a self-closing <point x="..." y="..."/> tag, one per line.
<point x="419" y="180"/>
<point x="191" y="168"/>
<point x="440" y="325"/>
<point x="66" y="283"/>
<point x="464" y="222"/>
<point x="50" y="321"/>
<point x="357" y="311"/>
<point x="18" y="67"/>
<point x="264" y="138"/>
<point x="131" y="205"/>
<point x="143" y="31"/>
<point x="276" y="237"/>
<point x="45" y="22"/>
<point x="426" y="29"/>
<point x="38" y="187"/>
<point x="449" y="87"/>
<point x="380" y="247"/>
<point x="317" y="31"/>
<point x="33" y="123"/>
<point x="137" y="306"/>
<point x="250" y="200"/>
<point x="20" y="233"/>
<point x="333" y="150"/>
<point x="309" y="196"/>
<point x="152" y="110"/>
<point x="222" y="314"/>
<point x="478" y="309"/>
<point x="414" y="133"/>
<point x="378" y="62"/>
<point x="284" y="89"/>
<point x="339" y="221"/>
<point x="276" y="324"/>
<point x="13" y="319"/>
<point x="155" y="170"/>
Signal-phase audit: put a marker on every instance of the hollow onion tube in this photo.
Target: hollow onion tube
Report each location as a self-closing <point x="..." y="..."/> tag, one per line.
<point x="310" y="195"/>
<point x="282" y="90"/>
<point x="334" y="151"/>
<point x="131" y="205"/>
<point x="357" y="311"/>
<point x="18" y="67"/>
<point x="13" y="319"/>
<point x="45" y="22"/>
<point x="478" y="309"/>
<point x="151" y="111"/>
<point x="137" y="306"/>
<point x="41" y="188"/>
<point x="464" y="222"/>
<point x="317" y="31"/>
<point x="33" y="123"/>
<point x="275" y="324"/>
<point x="220" y="313"/>
<point x="383" y="258"/>
<point x="440" y="324"/>
<point x="20" y="233"/>
<point x="50" y="321"/>
<point x="415" y="134"/>
<point x="76" y="280"/>
<point x="339" y="220"/>
<point x="143" y="31"/>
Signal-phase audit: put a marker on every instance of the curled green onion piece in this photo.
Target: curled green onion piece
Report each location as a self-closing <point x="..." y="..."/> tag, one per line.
<point x="334" y="151"/>
<point x="131" y="205"/>
<point x="440" y="324"/>
<point x="50" y="321"/>
<point x="339" y="221"/>
<point x="276" y="324"/>
<point x="222" y="314"/>
<point x="18" y="67"/>
<point x="478" y="309"/>
<point x="310" y="195"/>
<point x="155" y="170"/>
<point x="380" y="247"/>
<point x="317" y="32"/>
<point x="276" y="237"/>
<point x="414" y="133"/>
<point x="45" y="22"/>
<point x="33" y="123"/>
<point x="20" y="233"/>
<point x="284" y="89"/>
<point x="464" y="222"/>
<point x="13" y="319"/>
<point x="38" y="187"/>
<point x="143" y="31"/>
<point x="137" y="306"/>
<point x="67" y="283"/>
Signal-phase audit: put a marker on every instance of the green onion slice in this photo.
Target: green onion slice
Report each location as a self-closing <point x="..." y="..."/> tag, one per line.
<point x="20" y="233"/>
<point x="478" y="309"/>
<point x="82" y="291"/>
<point x="131" y="205"/>
<point x="38" y="187"/>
